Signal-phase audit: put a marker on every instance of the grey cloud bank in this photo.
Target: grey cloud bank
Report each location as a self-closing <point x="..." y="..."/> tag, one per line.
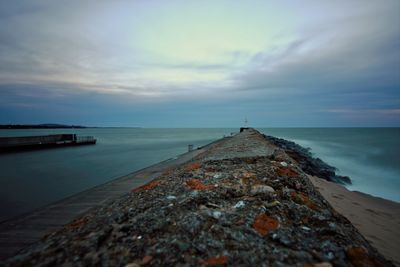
<point x="111" y="64"/>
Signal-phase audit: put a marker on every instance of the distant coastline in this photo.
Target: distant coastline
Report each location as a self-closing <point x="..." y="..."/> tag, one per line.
<point x="41" y="126"/>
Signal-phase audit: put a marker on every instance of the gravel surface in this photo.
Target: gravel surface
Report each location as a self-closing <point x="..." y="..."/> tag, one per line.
<point x="244" y="202"/>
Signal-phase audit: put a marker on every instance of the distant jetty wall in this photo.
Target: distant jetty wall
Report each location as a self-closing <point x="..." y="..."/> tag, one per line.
<point x="9" y="144"/>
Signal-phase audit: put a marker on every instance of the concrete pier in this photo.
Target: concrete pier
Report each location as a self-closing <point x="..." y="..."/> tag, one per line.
<point x="20" y="232"/>
<point x="242" y="202"/>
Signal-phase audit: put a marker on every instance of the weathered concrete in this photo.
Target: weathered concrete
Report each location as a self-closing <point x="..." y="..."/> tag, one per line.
<point x="243" y="202"/>
<point x="250" y="144"/>
<point x="22" y="231"/>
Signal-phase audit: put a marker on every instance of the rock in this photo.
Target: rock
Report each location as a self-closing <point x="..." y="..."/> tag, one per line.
<point x="191" y="223"/>
<point x="284" y="164"/>
<point x="217" y="176"/>
<point x="261" y="189"/>
<point x="323" y="264"/>
<point x="359" y="257"/>
<point x="309" y="164"/>
<point x="146" y="187"/>
<point x="286" y="172"/>
<point x="170" y="197"/>
<point x="216" y="214"/>
<point x="239" y="204"/>
<point x="212" y="205"/>
<point x="272" y="204"/>
<point x="146" y="259"/>
<point x="196" y="184"/>
<point x="263" y="224"/>
<point x="218" y="260"/>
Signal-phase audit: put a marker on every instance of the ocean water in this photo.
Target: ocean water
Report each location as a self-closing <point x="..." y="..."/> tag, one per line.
<point x="29" y="180"/>
<point x="32" y="179"/>
<point x="369" y="156"/>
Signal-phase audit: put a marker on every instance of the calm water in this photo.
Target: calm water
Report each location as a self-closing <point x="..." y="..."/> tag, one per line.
<point x="33" y="179"/>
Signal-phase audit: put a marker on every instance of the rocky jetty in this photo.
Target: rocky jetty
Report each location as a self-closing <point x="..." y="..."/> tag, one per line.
<point x="243" y="202"/>
<point x="309" y="164"/>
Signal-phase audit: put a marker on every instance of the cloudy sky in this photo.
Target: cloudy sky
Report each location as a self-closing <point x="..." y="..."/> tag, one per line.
<point x="200" y="63"/>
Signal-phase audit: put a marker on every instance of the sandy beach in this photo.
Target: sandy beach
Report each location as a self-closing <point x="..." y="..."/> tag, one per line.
<point x="376" y="218"/>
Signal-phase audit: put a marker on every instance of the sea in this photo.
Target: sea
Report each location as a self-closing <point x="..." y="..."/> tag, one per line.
<point x="33" y="179"/>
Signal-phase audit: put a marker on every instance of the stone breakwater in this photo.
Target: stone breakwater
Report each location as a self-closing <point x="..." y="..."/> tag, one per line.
<point x="243" y="202"/>
<point x="309" y="164"/>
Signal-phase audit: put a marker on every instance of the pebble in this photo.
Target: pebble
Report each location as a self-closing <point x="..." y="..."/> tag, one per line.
<point x="272" y="204"/>
<point x="330" y="255"/>
<point x="239" y="204"/>
<point x="170" y="197"/>
<point x="212" y="205"/>
<point x="216" y="214"/>
<point x="194" y="194"/>
<point x="261" y="189"/>
<point x="323" y="264"/>
<point x="332" y="225"/>
<point x="284" y="164"/>
<point x="217" y="176"/>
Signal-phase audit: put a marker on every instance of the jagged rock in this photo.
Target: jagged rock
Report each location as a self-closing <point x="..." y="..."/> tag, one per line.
<point x="309" y="164"/>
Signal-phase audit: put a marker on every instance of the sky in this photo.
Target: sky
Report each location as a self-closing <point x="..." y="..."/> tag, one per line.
<point x="200" y="63"/>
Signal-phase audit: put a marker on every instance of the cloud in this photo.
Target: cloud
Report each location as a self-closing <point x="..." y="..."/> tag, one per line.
<point x="318" y="63"/>
<point x="366" y="112"/>
<point x="271" y="61"/>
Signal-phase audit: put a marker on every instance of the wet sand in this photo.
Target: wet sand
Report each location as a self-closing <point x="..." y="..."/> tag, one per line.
<point x="376" y="218"/>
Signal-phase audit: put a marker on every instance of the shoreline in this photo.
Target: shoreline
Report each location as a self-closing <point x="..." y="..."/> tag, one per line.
<point x="376" y="218"/>
<point x="291" y="189"/>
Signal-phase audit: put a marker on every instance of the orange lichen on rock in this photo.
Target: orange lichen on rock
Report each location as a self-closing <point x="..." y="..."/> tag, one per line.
<point x="264" y="224"/>
<point x="196" y="184"/>
<point x="167" y="172"/>
<point x="146" y="187"/>
<point x="218" y="260"/>
<point x="78" y="223"/>
<point x="302" y="198"/>
<point x="248" y="178"/>
<point x="146" y="259"/>
<point x="286" y="172"/>
<point x="359" y="257"/>
<point x="193" y="166"/>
